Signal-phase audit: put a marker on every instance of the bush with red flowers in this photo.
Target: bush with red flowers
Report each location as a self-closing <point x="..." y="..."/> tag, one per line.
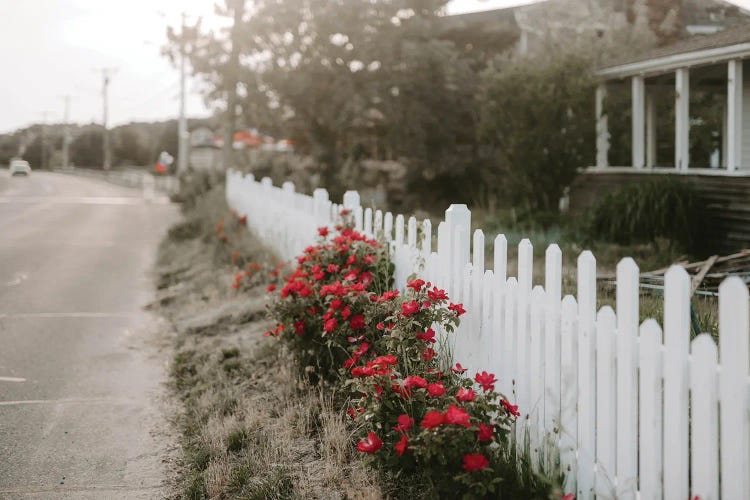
<point x="411" y="411"/>
<point x="322" y="305"/>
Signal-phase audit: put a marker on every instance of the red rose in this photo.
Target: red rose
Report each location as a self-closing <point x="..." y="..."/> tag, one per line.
<point x="486" y="380"/>
<point x="512" y="409"/>
<point x="415" y="285"/>
<point x="409" y="308"/>
<point x="458" y="369"/>
<point x="428" y="336"/>
<point x="435" y="390"/>
<point x="323" y="231"/>
<point x="299" y="327"/>
<point x="486" y="432"/>
<point x="457" y="416"/>
<point x="332" y="268"/>
<point x="474" y="462"/>
<point x="357" y="322"/>
<point x="405" y="422"/>
<point x="457" y="308"/>
<point x="428" y="354"/>
<point x="437" y="295"/>
<point x="415" y="381"/>
<point x="432" y="419"/>
<point x="346" y="312"/>
<point x="370" y="444"/>
<point x="402" y="446"/>
<point x="270" y="288"/>
<point x="465" y="395"/>
<point x="330" y="325"/>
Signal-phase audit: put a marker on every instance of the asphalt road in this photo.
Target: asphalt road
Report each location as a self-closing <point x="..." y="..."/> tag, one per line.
<point x="81" y="363"/>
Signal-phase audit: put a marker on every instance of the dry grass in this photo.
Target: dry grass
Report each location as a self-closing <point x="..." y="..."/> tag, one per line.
<point x="250" y="428"/>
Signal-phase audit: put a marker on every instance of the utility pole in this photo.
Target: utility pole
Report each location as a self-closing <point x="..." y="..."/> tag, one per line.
<point x="66" y="133"/>
<point x="106" y="75"/>
<point x="44" y="139"/>
<point x="182" y="131"/>
<point x="231" y="76"/>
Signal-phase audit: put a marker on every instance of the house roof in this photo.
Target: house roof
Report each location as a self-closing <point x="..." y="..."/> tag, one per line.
<point x="696" y="50"/>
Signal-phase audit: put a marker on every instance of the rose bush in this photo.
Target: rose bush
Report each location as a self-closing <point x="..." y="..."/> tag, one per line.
<point x="411" y="411"/>
<point x="321" y="306"/>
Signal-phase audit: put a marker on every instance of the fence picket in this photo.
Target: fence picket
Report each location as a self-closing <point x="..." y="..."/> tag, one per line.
<point x="569" y="389"/>
<point x="627" y="400"/>
<point x="586" y="374"/>
<point x="704" y="420"/>
<point x="368" y="221"/>
<point x="388" y="226"/>
<point x="734" y="347"/>
<point x="553" y="287"/>
<point x="676" y="353"/>
<point x="536" y="379"/>
<point x="606" y="414"/>
<point x="650" y="404"/>
<point x="508" y="365"/>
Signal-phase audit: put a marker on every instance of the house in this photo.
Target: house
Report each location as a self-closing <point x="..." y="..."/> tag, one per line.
<point x="539" y="25"/>
<point x="689" y="116"/>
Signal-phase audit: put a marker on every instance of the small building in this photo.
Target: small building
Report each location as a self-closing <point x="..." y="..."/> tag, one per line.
<point x="205" y="155"/>
<point x="689" y="116"/>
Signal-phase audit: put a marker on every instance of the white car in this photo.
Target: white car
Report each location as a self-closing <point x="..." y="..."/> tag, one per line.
<point x="19" y="167"/>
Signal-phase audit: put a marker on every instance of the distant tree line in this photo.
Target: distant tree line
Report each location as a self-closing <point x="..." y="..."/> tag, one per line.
<point x="133" y="144"/>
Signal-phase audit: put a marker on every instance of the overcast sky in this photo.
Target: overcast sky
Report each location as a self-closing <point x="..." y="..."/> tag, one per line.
<point x="50" y="48"/>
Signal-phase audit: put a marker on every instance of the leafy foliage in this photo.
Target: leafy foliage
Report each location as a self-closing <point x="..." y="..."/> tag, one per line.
<point x="537" y="114"/>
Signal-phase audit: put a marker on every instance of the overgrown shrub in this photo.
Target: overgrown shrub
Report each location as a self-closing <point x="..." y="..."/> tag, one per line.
<point x="658" y="208"/>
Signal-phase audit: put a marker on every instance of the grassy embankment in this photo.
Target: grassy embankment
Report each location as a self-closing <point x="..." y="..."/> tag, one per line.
<point x="249" y="428"/>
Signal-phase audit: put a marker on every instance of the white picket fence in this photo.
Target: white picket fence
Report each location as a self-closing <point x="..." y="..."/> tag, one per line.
<point x="634" y="410"/>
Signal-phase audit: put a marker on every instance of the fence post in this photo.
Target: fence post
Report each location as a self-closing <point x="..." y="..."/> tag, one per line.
<point x="676" y="351"/>
<point x="320" y="204"/>
<point x="734" y="346"/>
<point x="627" y="402"/>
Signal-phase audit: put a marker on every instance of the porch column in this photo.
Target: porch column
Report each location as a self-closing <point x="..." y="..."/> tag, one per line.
<point x="650" y="131"/>
<point x="602" y="128"/>
<point x="682" y="119"/>
<point x="734" y="115"/>
<point x="639" y="123"/>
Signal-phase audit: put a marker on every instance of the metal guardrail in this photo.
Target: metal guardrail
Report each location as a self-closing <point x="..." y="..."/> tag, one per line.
<point x="149" y="183"/>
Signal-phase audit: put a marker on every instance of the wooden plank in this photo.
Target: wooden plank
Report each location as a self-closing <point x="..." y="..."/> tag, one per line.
<point x="698" y="278"/>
